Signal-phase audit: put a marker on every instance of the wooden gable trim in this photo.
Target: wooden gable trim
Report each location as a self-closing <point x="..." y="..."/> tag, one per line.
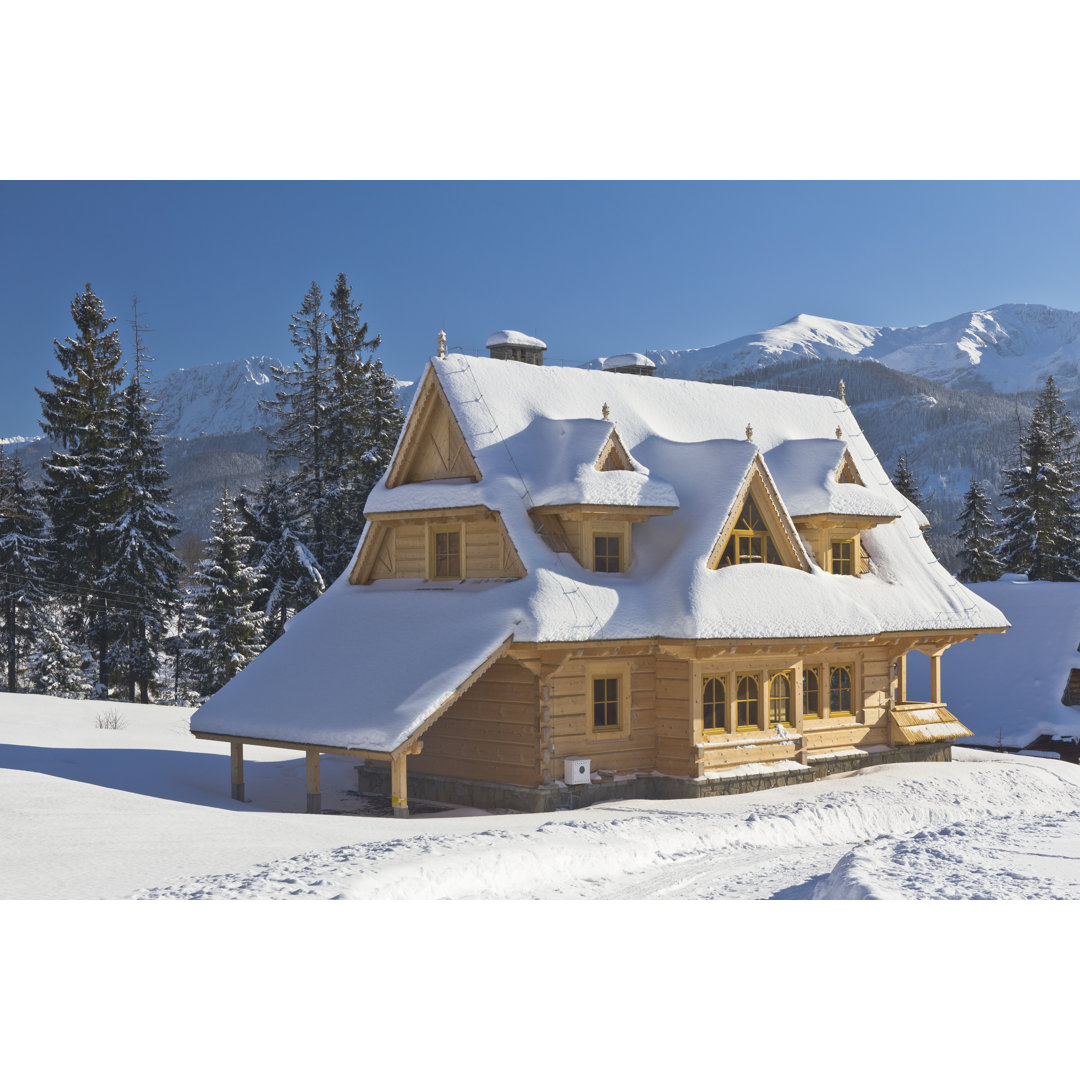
<point x="581" y="511"/>
<point x="456" y="458"/>
<point x="613" y="455"/>
<point x="758" y="483"/>
<point x="377" y="535"/>
<point x="855" y="522"/>
<point x="847" y="466"/>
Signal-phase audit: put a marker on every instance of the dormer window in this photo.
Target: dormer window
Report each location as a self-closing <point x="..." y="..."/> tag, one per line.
<point x="843" y="557"/>
<point x="607" y="553"/>
<point x="446" y="553"/>
<point x="750" y="541"/>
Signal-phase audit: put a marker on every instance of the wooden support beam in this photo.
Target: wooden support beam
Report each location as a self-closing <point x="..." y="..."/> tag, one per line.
<point x="901" y="678"/>
<point x="314" y="793"/>
<point x="398" y="796"/>
<point x="236" y="769"/>
<point x="935" y="677"/>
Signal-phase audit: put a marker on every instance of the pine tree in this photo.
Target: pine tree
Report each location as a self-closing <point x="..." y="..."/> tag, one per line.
<point x="81" y="414"/>
<point x="58" y="664"/>
<point x="228" y="631"/>
<point x="143" y="574"/>
<point x="23" y="563"/>
<point x="1041" y="519"/>
<point x="979" y="537"/>
<point x="289" y="576"/>
<point x="300" y="407"/>
<point x="905" y="482"/>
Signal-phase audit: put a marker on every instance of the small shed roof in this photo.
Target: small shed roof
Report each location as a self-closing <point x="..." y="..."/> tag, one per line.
<point x="513" y="337"/>
<point x="625" y="360"/>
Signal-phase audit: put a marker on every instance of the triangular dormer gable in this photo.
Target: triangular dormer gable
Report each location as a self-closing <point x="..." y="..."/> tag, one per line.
<point x="613" y="455"/>
<point x="757" y="503"/>
<point x="847" y="472"/>
<point x="432" y="445"/>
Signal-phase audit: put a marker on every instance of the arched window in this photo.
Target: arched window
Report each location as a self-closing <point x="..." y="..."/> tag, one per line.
<point x="779" y="700"/>
<point x="811" y="701"/>
<point x="746" y="702"/>
<point x="714" y="702"/>
<point x="840" y="690"/>
<point x="750" y="541"/>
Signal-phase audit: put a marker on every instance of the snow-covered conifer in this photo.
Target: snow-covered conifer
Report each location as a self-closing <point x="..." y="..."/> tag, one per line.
<point x="81" y="415"/>
<point x="23" y="564"/>
<point x="1041" y="521"/>
<point x="143" y="573"/>
<point x="289" y="575"/>
<point x="905" y="482"/>
<point x="979" y="537"/>
<point x="58" y="664"/>
<point x="228" y="630"/>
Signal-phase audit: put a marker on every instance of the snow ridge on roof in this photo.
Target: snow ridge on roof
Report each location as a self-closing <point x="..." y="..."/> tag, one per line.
<point x="376" y="660"/>
<point x="805" y="474"/>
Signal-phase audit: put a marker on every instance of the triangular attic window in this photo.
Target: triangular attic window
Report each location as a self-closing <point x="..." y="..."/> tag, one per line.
<point x="613" y="456"/>
<point x="751" y="540"/>
<point x="847" y="473"/>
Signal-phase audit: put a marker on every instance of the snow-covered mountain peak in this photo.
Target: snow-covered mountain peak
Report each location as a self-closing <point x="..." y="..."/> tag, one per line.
<point x="1008" y="348"/>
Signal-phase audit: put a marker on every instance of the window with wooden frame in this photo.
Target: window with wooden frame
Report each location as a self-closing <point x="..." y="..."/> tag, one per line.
<point x="840" y="690"/>
<point x="780" y="700"/>
<point x="446" y="553"/>
<point x="750" y="541"/>
<point x="747" y="702"/>
<point x="714" y="703"/>
<point x="843" y="557"/>
<point x="811" y="693"/>
<point x="606" y="703"/>
<point x="607" y="553"/>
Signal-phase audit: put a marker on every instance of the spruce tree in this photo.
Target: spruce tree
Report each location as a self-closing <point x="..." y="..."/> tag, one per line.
<point x="1041" y="521"/>
<point x="227" y="631"/>
<point x="58" y="664"/>
<point x="905" y="482"/>
<point x="23" y="563"/>
<point x="300" y="406"/>
<point x="289" y="576"/>
<point x="81" y="415"/>
<point x="144" y="573"/>
<point x="979" y="537"/>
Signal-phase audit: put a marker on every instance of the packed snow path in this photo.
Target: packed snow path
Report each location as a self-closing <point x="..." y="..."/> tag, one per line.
<point x="772" y="845"/>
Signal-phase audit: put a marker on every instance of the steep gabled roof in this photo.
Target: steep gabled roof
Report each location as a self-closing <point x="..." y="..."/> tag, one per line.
<point x="376" y="662"/>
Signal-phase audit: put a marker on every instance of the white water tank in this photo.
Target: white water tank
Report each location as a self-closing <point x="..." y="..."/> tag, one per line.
<point x="577" y="771"/>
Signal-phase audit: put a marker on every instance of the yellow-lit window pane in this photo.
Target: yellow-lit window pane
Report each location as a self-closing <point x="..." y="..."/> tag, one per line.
<point x="606" y="554"/>
<point x="779" y="700"/>
<point x="447" y="554"/>
<point x="714" y="703"/>
<point x="605" y="703"/>
<point x="843" y="557"/>
<point x="839" y="690"/>
<point x="746" y="702"/>
<point x="750" y="541"/>
<point x="811" y="693"/>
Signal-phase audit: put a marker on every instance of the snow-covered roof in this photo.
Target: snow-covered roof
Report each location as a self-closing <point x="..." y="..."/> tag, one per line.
<point x="513" y="337"/>
<point x="625" y="360"/>
<point x="368" y="664"/>
<point x="805" y="472"/>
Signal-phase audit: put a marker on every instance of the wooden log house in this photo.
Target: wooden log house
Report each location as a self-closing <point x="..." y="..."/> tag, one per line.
<point x="573" y="585"/>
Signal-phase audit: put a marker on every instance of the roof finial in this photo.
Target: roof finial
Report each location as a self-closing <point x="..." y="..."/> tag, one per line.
<point x="442" y="343"/>
<point x="749" y="433"/>
<point x="605" y="412"/>
<point x="839" y="433"/>
<point x="842" y="398"/>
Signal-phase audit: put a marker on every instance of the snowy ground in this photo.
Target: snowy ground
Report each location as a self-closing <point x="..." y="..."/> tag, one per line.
<point x="143" y="811"/>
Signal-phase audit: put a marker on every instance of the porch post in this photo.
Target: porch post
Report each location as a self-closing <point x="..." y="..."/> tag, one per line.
<point x="236" y="769"/>
<point x="398" y="798"/>
<point x="314" y="795"/>
<point x="901" y="678"/>
<point x="935" y="677"/>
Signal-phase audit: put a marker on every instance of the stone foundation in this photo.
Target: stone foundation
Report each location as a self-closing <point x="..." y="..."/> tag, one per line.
<point x="375" y="780"/>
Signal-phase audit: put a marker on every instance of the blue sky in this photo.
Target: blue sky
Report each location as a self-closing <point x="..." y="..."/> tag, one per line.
<point x="594" y="267"/>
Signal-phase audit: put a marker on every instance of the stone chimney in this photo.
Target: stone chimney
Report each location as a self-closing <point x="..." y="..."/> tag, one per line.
<point x="514" y="345"/>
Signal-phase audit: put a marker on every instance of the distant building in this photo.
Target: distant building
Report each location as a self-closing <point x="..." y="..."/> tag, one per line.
<point x="634" y="363"/>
